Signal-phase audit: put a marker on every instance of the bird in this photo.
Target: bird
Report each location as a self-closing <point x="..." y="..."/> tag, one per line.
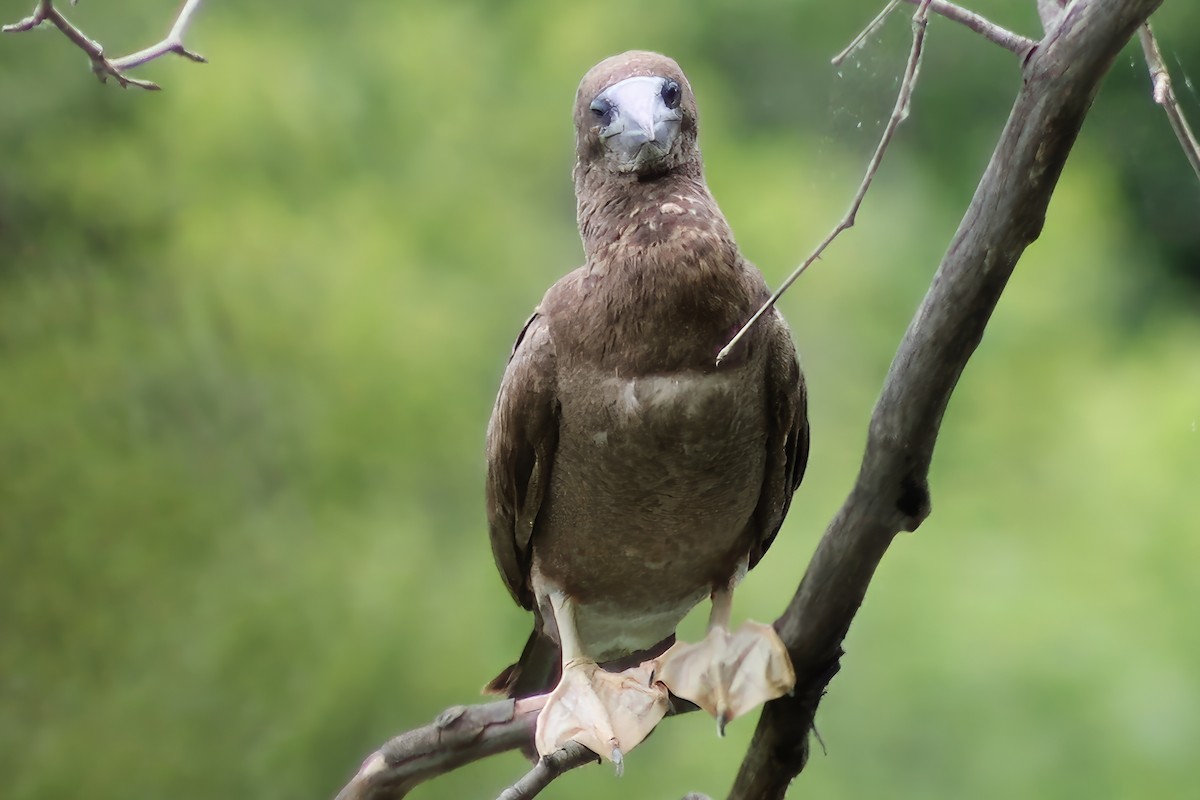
<point x="629" y="475"/>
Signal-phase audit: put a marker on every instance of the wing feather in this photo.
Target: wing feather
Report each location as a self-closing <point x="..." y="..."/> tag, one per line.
<point x="521" y="440"/>
<point x="787" y="435"/>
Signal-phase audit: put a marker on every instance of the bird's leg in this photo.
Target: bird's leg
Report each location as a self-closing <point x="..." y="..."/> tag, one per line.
<point x="609" y="713"/>
<point x="728" y="674"/>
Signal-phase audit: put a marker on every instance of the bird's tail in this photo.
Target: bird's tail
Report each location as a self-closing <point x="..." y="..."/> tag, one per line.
<point x="536" y="671"/>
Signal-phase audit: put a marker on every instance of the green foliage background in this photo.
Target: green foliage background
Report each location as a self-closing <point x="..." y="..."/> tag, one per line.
<point x="251" y="328"/>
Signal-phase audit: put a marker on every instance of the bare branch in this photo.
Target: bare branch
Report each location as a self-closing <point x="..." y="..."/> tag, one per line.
<point x="459" y="735"/>
<point x="103" y="66"/>
<point x="899" y="114"/>
<point x="1061" y="78"/>
<point x="1164" y="95"/>
<point x="1013" y="42"/>
<point x="547" y="769"/>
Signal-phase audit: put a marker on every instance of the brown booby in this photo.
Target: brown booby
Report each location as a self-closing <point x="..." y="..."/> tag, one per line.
<point x="629" y="476"/>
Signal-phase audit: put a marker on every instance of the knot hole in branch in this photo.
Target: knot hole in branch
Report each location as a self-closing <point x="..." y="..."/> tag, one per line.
<point x="913" y="501"/>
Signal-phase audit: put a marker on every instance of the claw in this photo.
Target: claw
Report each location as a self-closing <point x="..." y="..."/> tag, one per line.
<point x="618" y="760"/>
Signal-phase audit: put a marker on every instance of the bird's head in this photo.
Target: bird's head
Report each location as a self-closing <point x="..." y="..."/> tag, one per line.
<point x="635" y="114"/>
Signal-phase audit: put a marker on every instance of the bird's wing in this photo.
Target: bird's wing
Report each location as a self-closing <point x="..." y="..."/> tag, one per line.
<point x="521" y="440"/>
<point x="787" y="435"/>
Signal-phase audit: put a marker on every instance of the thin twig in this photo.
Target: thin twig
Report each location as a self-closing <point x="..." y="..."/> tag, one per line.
<point x="865" y="32"/>
<point x="1013" y="42"/>
<point x="1164" y="95"/>
<point x="547" y="769"/>
<point x="103" y="66"/>
<point x="899" y="114"/>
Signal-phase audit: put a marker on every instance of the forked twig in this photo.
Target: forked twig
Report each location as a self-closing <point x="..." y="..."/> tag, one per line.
<point x="1013" y="42"/>
<point x="1164" y="95"/>
<point x="103" y="66"/>
<point x="899" y="114"/>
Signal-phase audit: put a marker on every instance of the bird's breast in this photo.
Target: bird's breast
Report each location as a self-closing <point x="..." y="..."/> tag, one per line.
<point x="655" y="479"/>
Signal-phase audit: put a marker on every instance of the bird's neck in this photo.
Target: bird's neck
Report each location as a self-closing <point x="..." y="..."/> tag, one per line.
<point x="663" y="275"/>
<point x="671" y="221"/>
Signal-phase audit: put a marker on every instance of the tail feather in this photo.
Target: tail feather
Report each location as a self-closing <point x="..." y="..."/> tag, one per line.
<point x="536" y="672"/>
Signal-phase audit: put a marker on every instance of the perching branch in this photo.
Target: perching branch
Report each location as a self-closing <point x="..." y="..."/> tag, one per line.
<point x="459" y="736"/>
<point x="1062" y="74"/>
<point x="1061" y="78"/>
<point x="103" y="66"/>
<point x="1164" y="95"/>
<point x="899" y="114"/>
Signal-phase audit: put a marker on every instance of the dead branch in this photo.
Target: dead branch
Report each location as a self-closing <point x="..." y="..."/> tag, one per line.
<point x="1164" y="95"/>
<point x="1062" y="74"/>
<point x="459" y="735"/>
<point x="1013" y="42"/>
<point x="102" y="66"/>
<point x="1061" y="78"/>
<point x="899" y="114"/>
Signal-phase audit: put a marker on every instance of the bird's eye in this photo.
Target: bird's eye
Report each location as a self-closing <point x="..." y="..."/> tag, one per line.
<point x="602" y="111"/>
<point x="671" y="94"/>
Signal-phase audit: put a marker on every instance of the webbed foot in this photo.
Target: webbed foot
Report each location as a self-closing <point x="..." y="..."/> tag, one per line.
<point x="729" y="674"/>
<point x="610" y="713"/>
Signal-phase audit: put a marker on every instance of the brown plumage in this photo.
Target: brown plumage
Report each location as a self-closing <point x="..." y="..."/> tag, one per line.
<point x="627" y="472"/>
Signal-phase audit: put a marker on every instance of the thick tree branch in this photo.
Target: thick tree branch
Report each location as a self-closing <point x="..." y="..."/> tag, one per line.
<point x="458" y="736"/>
<point x="103" y="66"/>
<point x="461" y="735"/>
<point x="1164" y="95"/>
<point x="1061" y="78"/>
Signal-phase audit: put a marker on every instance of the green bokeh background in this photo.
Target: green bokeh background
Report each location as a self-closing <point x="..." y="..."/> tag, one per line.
<point x="251" y="328"/>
